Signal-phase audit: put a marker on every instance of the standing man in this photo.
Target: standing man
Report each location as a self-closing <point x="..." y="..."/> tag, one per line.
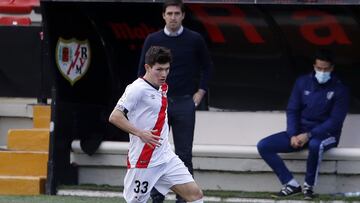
<point x="142" y="112"/>
<point x="188" y="79"/>
<point x="315" y="114"/>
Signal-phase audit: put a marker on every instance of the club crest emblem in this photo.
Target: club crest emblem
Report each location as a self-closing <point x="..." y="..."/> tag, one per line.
<point x="72" y="58"/>
<point x="330" y="95"/>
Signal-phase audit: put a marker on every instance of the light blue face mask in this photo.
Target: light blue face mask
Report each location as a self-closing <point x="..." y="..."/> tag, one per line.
<point x="322" y="77"/>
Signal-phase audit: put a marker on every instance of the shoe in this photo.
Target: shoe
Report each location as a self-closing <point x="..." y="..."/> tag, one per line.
<point x="288" y="190"/>
<point x="308" y="192"/>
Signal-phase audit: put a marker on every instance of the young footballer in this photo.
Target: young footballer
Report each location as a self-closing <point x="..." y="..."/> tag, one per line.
<point x="188" y="79"/>
<point x="142" y="112"/>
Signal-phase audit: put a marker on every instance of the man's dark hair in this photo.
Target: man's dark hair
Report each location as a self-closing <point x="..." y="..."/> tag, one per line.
<point x="173" y="3"/>
<point x="325" y="55"/>
<point x="157" y="54"/>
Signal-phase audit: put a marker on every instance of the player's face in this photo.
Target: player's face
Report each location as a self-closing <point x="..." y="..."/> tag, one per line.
<point x="157" y="73"/>
<point x="173" y="17"/>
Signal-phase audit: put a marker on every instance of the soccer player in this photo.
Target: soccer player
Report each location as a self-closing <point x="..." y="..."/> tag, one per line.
<point x="315" y="114"/>
<point x="188" y="79"/>
<point x="142" y="112"/>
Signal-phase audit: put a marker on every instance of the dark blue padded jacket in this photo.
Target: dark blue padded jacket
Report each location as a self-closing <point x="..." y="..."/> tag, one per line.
<point x="317" y="108"/>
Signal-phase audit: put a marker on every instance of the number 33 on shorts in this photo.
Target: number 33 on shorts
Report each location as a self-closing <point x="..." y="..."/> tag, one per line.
<point x="141" y="186"/>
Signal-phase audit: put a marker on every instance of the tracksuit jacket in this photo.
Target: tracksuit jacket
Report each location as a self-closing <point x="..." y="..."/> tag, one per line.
<point x="317" y="108"/>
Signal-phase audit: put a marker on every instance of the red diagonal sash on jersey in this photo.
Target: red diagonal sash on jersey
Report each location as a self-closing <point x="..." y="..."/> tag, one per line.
<point x="147" y="151"/>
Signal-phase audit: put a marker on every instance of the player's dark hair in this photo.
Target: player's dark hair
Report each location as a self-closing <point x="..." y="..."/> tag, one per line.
<point x="157" y="54"/>
<point x="173" y="3"/>
<point x="325" y="55"/>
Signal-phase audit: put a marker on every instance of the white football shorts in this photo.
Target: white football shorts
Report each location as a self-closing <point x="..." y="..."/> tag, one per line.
<point x="138" y="182"/>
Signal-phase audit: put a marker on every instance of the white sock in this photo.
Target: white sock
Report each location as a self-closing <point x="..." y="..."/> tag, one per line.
<point x="305" y="184"/>
<point x="198" y="201"/>
<point x="293" y="182"/>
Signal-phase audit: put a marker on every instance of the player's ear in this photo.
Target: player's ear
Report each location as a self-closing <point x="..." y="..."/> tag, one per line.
<point x="147" y="67"/>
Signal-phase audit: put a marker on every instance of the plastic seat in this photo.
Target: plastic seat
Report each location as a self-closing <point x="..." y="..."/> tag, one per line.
<point x="18" y="6"/>
<point x="10" y="20"/>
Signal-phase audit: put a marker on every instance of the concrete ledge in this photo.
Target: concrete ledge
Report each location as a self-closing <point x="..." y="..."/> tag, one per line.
<point x="229" y="151"/>
<point x="212" y="164"/>
<point x="221" y="167"/>
<point x="106" y="147"/>
<point x="226" y="158"/>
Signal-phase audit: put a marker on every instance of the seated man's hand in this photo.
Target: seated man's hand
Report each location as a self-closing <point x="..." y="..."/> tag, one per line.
<point x="303" y="139"/>
<point x="295" y="142"/>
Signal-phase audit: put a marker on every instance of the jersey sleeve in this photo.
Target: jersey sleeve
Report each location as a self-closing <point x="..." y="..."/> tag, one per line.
<point x="128" y="100"/>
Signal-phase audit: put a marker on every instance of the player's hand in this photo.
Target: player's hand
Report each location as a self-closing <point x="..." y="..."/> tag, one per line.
<point x="197" y="97"/>
<point x="150" y="139"/>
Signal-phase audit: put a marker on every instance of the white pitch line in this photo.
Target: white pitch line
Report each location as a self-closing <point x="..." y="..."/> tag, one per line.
<point x="89" y="193"/>
<point x="92" y="193"/>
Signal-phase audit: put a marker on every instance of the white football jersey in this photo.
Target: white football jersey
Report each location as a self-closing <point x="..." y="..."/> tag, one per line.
<point x="146" y="109"/>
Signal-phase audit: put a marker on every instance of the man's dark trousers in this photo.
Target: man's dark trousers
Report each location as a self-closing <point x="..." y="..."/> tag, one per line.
<point x="181" y="115"/>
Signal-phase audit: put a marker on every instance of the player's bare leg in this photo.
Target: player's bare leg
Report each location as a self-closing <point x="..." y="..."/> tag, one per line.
<point x="191" y="192"/>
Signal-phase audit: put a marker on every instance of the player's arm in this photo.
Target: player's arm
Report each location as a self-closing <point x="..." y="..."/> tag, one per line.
<point x="118" y="118"/>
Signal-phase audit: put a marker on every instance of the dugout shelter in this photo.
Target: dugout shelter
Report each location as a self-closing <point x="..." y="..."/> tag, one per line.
<point x="258" y="48"/>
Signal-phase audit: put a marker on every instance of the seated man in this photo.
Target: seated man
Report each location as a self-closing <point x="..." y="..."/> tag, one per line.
<point x="315" y="114"/>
